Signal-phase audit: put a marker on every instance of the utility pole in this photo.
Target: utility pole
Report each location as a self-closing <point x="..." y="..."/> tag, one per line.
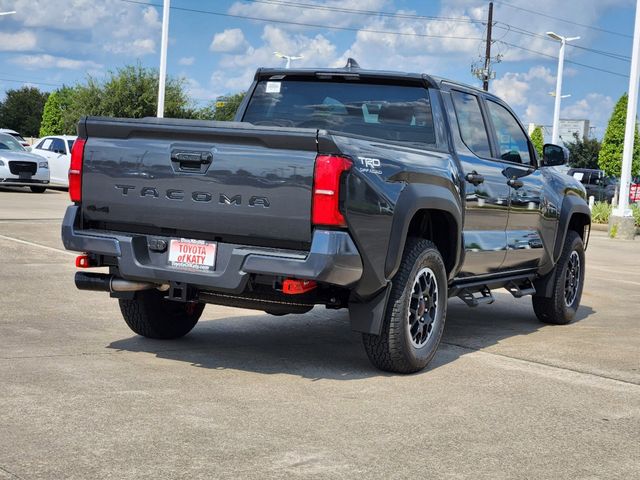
<point x="162" y="79"/>
<point x="487" y="56"/>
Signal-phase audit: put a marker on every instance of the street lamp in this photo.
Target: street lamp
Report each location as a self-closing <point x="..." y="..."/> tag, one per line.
<point x="163" y="57"/>
<point x="288" y="58"/>
<point x="556" y="110"/>
<point x="7" y="13"/>
<point x="621" y="222"/>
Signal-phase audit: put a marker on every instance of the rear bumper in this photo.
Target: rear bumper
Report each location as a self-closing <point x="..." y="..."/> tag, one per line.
<point x="333" y="258"/>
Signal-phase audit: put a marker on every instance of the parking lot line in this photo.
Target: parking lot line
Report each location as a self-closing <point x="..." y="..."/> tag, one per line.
<point x="32" y="244"/>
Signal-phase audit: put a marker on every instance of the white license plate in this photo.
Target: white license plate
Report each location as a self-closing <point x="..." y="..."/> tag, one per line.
<point x="192" y="254"/>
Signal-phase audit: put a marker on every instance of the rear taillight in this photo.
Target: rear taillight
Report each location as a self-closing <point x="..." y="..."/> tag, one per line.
<point x="75" y="170"/>
<point x="326" y="190"/>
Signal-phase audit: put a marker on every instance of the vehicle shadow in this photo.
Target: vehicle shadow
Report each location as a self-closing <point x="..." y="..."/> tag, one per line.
<point x="26" y="190"/>
<point x="320" y="344"/>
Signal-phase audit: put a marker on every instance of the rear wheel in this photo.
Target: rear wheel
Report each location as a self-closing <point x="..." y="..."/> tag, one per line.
<point x="415" y="314"/>
<point x="567" y="281"/>
<point x="38" y="189"/>
<point x="149" y="314"/>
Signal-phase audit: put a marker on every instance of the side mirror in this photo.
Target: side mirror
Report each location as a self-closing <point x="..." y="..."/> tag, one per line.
<point x="554" y="155"/>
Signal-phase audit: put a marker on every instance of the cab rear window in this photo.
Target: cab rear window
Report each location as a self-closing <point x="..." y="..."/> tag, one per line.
<point x="388" y="112"/>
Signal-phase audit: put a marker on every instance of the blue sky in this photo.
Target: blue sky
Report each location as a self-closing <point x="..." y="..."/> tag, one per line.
<point x="51" y="42"/>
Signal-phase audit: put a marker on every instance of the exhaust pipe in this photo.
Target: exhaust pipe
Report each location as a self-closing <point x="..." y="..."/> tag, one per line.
<point x="103" y="282"/>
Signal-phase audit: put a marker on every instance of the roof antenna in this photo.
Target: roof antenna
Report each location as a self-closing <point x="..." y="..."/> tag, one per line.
<point x="351" y="64"/>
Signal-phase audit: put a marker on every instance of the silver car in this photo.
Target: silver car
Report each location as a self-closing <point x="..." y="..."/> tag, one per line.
<point x="20" y="168"/>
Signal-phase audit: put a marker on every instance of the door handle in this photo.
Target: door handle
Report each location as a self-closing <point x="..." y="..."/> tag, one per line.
<point x="474" y="177"/>
<point x="515" y="183"/>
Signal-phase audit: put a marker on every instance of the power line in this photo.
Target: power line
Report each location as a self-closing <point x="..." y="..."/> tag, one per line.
<point x="522" y="31"/>
<point x="554" y="17"/>
<point x="353" y="29"/>
<point x="432" y="18"/>
<point x="301" y="24"/>
<point x="30" y="81"/>
<point x="566" y="61"/>
<point x="314" y="6"/>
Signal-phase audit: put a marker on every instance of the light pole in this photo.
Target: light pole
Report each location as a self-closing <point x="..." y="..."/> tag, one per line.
<point x="621" y="223"/>
<point x="556" y="110"/>
<point x="163" y="57"/>
<point x="288" y="58"/>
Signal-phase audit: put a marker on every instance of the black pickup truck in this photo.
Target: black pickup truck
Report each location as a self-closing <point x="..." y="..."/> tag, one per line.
<point x="382" y="192"/>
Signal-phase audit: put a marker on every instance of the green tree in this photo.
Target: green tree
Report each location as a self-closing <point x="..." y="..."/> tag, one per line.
<point x="610" y="157"/>
<point x="22" y="109"/>
<point x="227" y="107"/>
<point x="55" y="110"/>
<point x="537" y="138"/>
<point x="129" y="92"/>
<point x="583" y="152"/>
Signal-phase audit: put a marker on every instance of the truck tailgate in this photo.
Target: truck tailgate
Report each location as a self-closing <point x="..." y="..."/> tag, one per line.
<point x="185" y="177"/>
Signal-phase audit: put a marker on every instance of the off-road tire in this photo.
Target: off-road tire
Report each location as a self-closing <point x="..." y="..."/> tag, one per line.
<point x="393" y="350"/>
<point x="152" y="316"/>
<point x="38" y="189"/>
<point x="554" y="309"/>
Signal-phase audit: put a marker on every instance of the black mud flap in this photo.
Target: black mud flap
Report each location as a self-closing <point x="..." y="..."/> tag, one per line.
<point x="367" y="317"/>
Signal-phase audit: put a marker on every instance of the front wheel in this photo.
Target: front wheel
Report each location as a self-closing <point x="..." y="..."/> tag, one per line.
<point x="567" y="281"/>
<point x="151" y="315"/>
<point x="416" y="312"/>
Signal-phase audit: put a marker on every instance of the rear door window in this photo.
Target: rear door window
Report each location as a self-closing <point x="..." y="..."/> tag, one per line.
<point x="471" y="123"/>
<point x="390" y="112"/>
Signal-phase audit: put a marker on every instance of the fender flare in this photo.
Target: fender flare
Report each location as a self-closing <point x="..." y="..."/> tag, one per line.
<point x="416" y="197"/>
<point x="571" y="205"/>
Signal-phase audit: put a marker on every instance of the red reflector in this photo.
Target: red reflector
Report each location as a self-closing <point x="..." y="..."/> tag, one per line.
<point x="326" y="190"/>
<point x="82" y="261"/>
<point x="75" y="170"/>
<point x="292" y="286"/>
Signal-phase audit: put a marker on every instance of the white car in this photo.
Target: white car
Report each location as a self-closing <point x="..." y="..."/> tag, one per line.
<point x="17" y="136"/>
<point x="20" y="168"/>
<point x="57" y="150"/>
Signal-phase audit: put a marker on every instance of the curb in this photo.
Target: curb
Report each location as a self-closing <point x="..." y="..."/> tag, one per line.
<point x="604" y="227"/>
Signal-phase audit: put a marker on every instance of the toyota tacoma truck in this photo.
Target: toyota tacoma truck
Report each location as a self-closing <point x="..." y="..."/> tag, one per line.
<point x="381" y="192"/>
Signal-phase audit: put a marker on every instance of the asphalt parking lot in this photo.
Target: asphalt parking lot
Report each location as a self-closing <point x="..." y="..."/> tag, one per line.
<point x="248" y="395"/>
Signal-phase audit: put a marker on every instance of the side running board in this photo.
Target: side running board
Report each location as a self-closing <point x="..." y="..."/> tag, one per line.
<point x="478" y="292"/>
<point x="483" y="296"/>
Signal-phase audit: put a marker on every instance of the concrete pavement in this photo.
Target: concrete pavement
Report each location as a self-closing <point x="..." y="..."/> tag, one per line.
<point x="248" y="395"/>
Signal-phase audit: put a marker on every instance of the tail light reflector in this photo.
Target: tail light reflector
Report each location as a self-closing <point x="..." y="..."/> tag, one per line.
<point x="293" y="286"/>
<point x="326" y="190"/>
<point x="75" y="170"/>
<point x="83" y="261"/>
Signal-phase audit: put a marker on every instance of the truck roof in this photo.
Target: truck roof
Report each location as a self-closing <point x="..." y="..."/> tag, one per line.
<point x="353" y="71"/>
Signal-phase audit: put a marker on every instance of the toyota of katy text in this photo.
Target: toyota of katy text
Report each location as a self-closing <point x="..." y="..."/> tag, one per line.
<point x="381" y="192"/>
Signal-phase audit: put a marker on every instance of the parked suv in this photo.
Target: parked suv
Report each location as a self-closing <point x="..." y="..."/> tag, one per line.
<point x="596" y="183"/>
<point x="382" y="192"/>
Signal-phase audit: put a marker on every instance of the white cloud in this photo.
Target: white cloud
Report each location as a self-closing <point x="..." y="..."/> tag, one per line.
<point x="316" y="51"/>
<point x="50" y="61"/>
<point x="229" y="41"/>
<point x="187" y="61"/>
<point x="109" y="25"/>
<point x="23" y="40"/>
<point x="328" y="12"/>
<point x="594" y="107"/>
<point x="514" y="88"/>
